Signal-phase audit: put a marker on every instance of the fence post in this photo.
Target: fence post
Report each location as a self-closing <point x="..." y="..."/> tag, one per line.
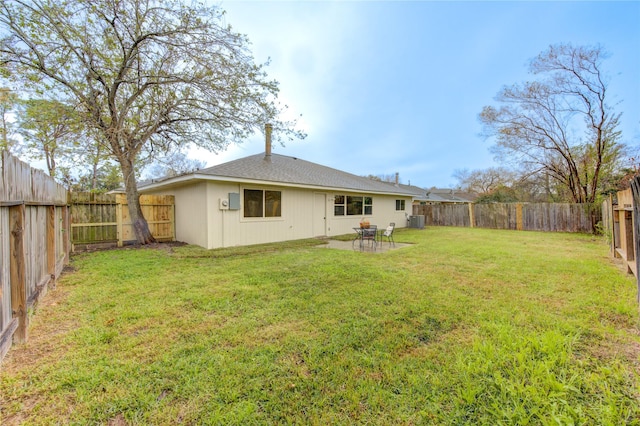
<point x="18" y="272"/>
<point x="119" y="222"/>
<point x="519" y="219"/>
<point x="472" y="217"/>
<point x="172" y="217"/>
<point x="611" y="230"/>
<point x="635" y="219"/>
<point x="51" y="244"/>
<point x="66" y="236"/>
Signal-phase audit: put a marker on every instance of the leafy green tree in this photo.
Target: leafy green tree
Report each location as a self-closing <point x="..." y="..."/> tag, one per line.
<point x="559" y="125"/>
<point x="8" y="104"/>
<point x="50" y="130"/>
<point x="148" y="76"/>
<point x="104" y="178"/>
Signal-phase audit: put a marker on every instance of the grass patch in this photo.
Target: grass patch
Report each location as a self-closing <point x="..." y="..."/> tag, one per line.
<point x="191" y="251"/>
<point x="466" y="326"/>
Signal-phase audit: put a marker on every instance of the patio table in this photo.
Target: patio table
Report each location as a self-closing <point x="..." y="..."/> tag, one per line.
<point x="366" y="234"/>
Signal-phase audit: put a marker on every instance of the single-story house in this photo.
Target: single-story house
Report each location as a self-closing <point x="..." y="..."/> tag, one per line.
<point x="268" y="197"/>
<point x="442" y="196"/>
<point x="423" y="196"/>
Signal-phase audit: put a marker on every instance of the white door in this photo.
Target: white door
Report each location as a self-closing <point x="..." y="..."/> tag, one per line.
<point x="319" y="215"/>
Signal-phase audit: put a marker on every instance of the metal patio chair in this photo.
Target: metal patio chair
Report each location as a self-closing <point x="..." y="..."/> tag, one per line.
<point x="388" y="234"/>
<point x="366" y="236"/>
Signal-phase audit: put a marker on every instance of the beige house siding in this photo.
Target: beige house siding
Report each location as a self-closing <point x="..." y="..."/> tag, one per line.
<point x="231" y="228"/>
<point x="190" y="212"/>
<point x="384" y="212"/>
<point x="201" y="221"/>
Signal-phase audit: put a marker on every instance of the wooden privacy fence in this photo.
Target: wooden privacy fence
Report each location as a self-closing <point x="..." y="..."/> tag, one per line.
<point x="562" y="217"/>
<point x="618" y="223"/>
<point x="621" y="223"/>
<point x="34" y="244"/>
<point x="103" y="219"/>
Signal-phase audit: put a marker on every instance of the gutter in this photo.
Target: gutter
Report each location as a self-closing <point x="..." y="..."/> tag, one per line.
<point x="195" y="177"/>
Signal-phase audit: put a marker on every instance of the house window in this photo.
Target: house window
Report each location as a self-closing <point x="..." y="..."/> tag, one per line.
<point x="368" y="205"/>
<point x="272" y="204"/>
<point x="259" y="203"/>
<point x="352" y="205"/>
<point x="338" y="205"/>
<point x="399" y="205"/>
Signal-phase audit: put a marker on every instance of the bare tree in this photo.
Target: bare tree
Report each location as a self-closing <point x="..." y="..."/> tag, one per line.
<point x="147" y="75"/>
<point x="383" y="177"/>
<point x="483" y="181"/>
<point x="174" y="164"/>
<point x="561" y="124"/>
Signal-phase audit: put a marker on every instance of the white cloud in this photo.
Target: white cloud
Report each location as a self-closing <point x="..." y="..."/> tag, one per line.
<point x="305" y="42"/>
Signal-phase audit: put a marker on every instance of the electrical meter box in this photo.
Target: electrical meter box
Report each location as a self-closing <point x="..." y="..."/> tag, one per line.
<point x="234" y="201"/>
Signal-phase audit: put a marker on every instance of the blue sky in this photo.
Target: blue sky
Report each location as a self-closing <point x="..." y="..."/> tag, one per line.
<point x="389" y="86"/>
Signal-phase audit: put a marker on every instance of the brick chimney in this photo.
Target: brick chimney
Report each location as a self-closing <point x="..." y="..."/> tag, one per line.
<point x="267" y="141"/>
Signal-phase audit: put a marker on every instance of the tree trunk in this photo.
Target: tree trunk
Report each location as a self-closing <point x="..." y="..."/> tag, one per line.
<point x="94" y="175"/>
<point x="140" y="226"/>
<point x="94" y="169"/>
<point x="51" y="162"/>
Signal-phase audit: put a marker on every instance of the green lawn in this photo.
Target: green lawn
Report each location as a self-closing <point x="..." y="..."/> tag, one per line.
<point x="466" y="326"/>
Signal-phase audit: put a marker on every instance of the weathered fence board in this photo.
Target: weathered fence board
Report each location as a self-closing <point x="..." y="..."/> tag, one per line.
<point x="6" y="316"/>
<point x="623" y="209"/>
<point x="635" y="202"/>
<point x="93" y="218"/>
<point x="607" y="220"/>
<point x="444" y="214"/>
<point x="563" y="217"/>
<point x="104" y="218"/>
<point x="621" y="222"/>
<point x="18" y="271"/>
<point x="20" y="183"/>
<point x="33" y="243"/>
<point x="495" y="216"/>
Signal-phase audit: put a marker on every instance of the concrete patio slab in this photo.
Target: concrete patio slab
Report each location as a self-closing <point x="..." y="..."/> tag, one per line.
<point x="347" y="245"/>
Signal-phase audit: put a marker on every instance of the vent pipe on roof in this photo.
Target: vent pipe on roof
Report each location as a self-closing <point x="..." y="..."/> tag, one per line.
<point x="267" y="142"/>
<point x="397" y="178"/>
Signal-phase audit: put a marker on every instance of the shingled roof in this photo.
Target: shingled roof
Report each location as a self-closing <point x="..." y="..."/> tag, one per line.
<point x="283" y="170"/>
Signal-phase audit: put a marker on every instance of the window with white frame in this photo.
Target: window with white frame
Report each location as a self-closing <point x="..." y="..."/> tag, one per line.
<point x="352" y="205"/>
<point x="400" y="205"/>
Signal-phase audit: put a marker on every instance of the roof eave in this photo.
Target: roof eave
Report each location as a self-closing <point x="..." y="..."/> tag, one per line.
<point x="194" y="177"/>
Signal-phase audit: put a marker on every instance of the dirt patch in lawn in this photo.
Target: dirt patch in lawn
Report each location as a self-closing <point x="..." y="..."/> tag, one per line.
<point x="44" y="334"/>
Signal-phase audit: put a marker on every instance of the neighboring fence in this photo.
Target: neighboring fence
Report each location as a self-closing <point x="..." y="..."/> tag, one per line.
<point x="562" y="217"/>
<point x="444" y="214"/>
<point x="34" y="244"/>
<point x="103" y="219"/>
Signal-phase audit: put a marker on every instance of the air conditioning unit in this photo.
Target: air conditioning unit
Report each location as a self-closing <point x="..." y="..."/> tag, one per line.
<point x="224" y="204"/>
<point x="416" y="222"/>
